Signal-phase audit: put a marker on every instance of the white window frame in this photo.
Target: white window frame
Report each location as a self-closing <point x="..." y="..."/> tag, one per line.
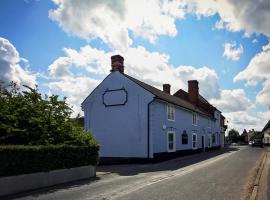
<point x="173" y="112"/>
<point x="209" y="144"/>
<point x="196" y="118"/>
<point x="174" y="145"/>
<point x="196" y="142"/>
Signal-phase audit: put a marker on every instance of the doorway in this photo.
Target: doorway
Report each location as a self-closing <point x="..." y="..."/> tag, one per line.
<point x="203" y="144"/>
<point x="171" y="141"/>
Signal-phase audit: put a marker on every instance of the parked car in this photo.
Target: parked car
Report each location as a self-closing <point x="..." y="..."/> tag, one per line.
<point x="257" y="142"/>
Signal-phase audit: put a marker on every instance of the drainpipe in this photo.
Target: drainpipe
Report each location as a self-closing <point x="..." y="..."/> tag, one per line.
<point x="148" y="126"/>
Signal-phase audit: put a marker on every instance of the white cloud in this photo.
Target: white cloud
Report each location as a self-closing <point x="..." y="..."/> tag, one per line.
<point x="258" y="70"/>
<point x="60" y="67"/>
<point x="233" y="101"/>
<point x="75" y="88"/>
<point x="265" y="116"/>
<point x="10" y="69"/>
<point x="93" y="60"/>
<point x="111" y="21"/>
<point x="81" y="88"/>
<point x="232" y="52"/>
<point x="263" y="97"/>
<point x="247" y="15"/>
<point x="247" y="120"/>
<point x="240" y="111"/>
<point x="243" y="120"/>
<point x="207" y="77"/>
<point x="114" y="21"/>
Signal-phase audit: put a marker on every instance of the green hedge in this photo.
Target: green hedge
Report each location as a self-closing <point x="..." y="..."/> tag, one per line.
<point x="19" y="159"/>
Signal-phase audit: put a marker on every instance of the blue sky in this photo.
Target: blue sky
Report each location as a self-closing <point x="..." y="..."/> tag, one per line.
<point x="182" y="38"/>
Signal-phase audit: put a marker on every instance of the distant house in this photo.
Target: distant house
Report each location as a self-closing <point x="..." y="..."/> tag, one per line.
<point x="131" y="119"/>
<point x="266" y="133"/>
<point x="245" y="137"/>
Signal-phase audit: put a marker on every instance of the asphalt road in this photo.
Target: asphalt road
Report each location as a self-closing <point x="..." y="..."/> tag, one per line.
<point x="220" y="174"/>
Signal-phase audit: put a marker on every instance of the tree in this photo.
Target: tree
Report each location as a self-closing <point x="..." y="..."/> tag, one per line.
<point x="256" y="135"/>
<point x="30" y="119"/>
<point x="233" y="135"/>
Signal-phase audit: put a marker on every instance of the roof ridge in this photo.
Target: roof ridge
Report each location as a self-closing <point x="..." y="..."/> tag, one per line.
<point x="167" y="97"/>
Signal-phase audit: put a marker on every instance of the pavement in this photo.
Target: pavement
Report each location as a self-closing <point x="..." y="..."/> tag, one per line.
<point x="219" y="174"/>
<point x="264" y="182"/>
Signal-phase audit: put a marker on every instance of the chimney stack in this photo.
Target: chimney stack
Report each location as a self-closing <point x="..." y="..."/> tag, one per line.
<point x="193" y="91"/>
<point x="167" y="88"/>
<point x="117" y="63"/>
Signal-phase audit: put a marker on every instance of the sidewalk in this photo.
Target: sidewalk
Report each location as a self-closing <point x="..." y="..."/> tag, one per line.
<point x="264" y="183"/>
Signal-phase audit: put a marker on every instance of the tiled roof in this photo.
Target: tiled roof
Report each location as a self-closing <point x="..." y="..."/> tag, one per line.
<point x="167" y="97"/>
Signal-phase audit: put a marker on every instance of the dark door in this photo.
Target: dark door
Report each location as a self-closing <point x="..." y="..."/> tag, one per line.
<point x="203" y="148"/>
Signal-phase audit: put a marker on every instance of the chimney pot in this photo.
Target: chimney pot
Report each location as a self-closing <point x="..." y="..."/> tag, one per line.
<point x="117" y="63"/>
<point x="193" y="91"/>
<point x="167" y="88"/>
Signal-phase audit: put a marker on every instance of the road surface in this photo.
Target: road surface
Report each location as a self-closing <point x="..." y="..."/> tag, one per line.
<point x="220" y="174"/>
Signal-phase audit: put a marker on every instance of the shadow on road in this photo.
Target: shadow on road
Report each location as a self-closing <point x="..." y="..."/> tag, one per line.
<point x="169" y="165"/>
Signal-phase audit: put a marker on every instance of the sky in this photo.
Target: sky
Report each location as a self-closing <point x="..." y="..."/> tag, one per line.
<point x="64" y="47"/>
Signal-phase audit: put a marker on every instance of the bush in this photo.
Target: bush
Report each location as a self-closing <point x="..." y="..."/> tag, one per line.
<point x="19" y="159"/>
<point x="28" y="118"/>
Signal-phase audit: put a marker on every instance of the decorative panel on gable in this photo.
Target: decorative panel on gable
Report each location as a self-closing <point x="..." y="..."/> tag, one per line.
<point x="117" y="97"/>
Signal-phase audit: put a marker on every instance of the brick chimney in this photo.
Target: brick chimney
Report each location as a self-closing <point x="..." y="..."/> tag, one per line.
<point x="117" y="63"/>
<point x="193" y="91"/>
<point x="167" y="88"/>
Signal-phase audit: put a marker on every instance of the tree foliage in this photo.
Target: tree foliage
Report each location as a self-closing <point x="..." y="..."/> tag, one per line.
<point x="256" y="135"/>
<point x="233" y="135"/>
<point x="29" y="119"/>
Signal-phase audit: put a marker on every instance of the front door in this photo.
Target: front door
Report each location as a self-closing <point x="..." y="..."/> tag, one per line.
<point x="171" y="141"/>
<point x="203" y="146"/>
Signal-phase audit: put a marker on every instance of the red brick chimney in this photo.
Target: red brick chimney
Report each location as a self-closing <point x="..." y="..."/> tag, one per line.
<point x="117" y="63"/>
<point x="193" y="91"/>
<point x="167" y="88"/>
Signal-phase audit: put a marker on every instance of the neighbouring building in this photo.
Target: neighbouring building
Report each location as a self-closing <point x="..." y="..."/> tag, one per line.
<point x="245" y="136"/>
<point x="266" y="133"/>
<point x="250" y="134"/>
<point x="132" y="119"/>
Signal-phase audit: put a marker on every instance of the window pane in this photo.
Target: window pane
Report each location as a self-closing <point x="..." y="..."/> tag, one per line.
<point x="170" y="111"/>
<point x="184" y="138"/>
<point x="170" y="137"/>
<point x="213" y="138"/>
<point x="170" y="145"/>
